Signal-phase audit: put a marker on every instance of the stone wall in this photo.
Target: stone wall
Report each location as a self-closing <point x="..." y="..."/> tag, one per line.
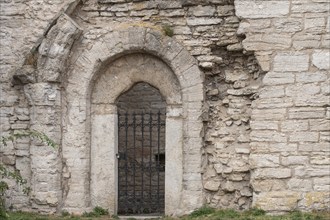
<point x="266" y="136"/>
<point x="290" y="124"/>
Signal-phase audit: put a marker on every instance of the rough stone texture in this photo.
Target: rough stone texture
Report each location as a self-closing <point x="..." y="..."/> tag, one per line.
<point x="264" y="135"/>
<point x="292" y="103"/>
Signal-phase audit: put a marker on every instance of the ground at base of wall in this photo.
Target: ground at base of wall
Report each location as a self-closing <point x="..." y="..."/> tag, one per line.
<point x="201" y="214"/>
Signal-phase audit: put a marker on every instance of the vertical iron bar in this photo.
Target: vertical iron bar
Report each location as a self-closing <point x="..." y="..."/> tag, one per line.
<point x="118" y="153"/>
<point x="142" y="127"/>
<point x="158" y="158"/>
<point x="126" y="165"/>
<point x="150" y="160"/>
<point x="134" y="136"/>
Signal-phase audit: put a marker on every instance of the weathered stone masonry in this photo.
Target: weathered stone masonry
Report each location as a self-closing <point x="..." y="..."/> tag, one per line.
<point x="246" y="83"/>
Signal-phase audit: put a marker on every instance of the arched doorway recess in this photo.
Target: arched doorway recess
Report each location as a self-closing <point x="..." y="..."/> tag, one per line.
<point x="96" y="79"/>
<point x="118" y="78"/>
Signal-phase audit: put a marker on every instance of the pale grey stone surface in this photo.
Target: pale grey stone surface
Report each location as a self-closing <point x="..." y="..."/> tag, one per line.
<point x="273" y="125"/>
<point x="297" y="68"/>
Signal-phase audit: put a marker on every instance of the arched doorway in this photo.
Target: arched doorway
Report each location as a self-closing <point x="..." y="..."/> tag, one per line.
<point x="141" y="151"/>
<point x="96" y="78"/>
<point x="122" y="99"/>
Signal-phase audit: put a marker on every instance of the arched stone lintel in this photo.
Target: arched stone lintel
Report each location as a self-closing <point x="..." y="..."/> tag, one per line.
<point x="128" y="70"/>
<point x="135" y="40"/>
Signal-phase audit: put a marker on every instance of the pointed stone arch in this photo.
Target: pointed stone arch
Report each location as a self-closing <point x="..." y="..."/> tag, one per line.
<point x="179" y="80"/>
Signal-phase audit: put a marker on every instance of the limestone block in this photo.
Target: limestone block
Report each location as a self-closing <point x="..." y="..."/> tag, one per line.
<point x="119" y="8"/>
<point x="269" y="136"/>
<point x="306" y="6"/>
<point x="267" y="42"/>
<point x="19" y="126"/>
<point x="173" y="13"/>
<point x="321" y="184"/>
<point x="325" y="89"/>
<point x="301" y="185"/>
<point x="320" y="159"/>
<point x="238" y="165"/>
<point x="271" y="103"/>
<point x="229" y="186"/>
<point x="321" y="59"/>
<point x="288" y="24"/>
<point x="254" y="26"/>
<point x="274" y="78"/>
<point x="304" y="137"/>
<point x="7" y="98"/>
<point x="325" y="136"/>
<point x="264" y="125"/>
<point x="268" y="114"/>
<point x="233" y="76"/>
<point x="269" y="185"/>
<point x="171" y="4"/>
<point x="317" y="100"/>
<point x="196" y="21"/>
<point x="212" y="185"/>
<point x="182" y="30"/>
<point x="144" y="13"/>
<point x="225" y="10"/>
<point x="294" y="160"/>
<point x="306" y="41"/>
<point x="306" y="113"/>
<point x="302" y="90"/>
<point x="257" y="147"/>
<point x="320" y="125"/>
<point x="295" y="62"/>
<point x="325" y="40"/>
<point x="272" y="92"/>
<point x="199" y="11"/>
<point x="308" y="77"/>
<point x="315" y="25"/>
<point x="314" y="171"/>
<point x="315" y="201"/>
<point x="277" y="201"/>
<point x="264" y="60"/>
<point x="231" y="20"/>
<point x="276" y="173"/>
<point x="261" y="9"/>
<point x="316" y="147"/>
<point x="294" y="125"/>
<point x="264" y="160"/>
<point x="8" y="159"/>
<point x="242" y="92"/>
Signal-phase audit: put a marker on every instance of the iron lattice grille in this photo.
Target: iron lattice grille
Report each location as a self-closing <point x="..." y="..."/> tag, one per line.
<point x="141" y="163"/>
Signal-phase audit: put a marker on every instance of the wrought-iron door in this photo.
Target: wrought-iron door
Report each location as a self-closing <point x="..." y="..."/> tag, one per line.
<point x="141" y="163"/>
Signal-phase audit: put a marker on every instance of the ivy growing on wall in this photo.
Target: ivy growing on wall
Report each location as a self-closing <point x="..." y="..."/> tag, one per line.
<point x="5" y="173"/>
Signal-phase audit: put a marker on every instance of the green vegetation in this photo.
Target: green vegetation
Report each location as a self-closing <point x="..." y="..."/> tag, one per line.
<point x="204" y="213"/>
<point x="207" y="213"/>
<point x="5" y="173"/>
<point x="205" y="210"/>
<point x="97" y="212"/>
<point x="168" y="30"/>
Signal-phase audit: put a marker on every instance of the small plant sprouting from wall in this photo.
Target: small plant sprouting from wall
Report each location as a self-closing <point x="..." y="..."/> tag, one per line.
<point x="15" y="175"/>
<point x="168" y="30"/>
